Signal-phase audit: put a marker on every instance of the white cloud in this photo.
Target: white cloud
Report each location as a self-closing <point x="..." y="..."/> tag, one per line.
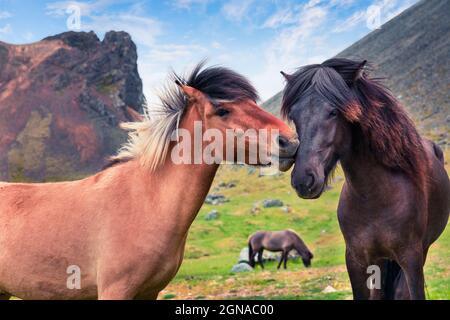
<point x="216" y="45"/>
<point x="341" y="3"/>
<point x="188" y="4"/>
<point x="28" y="37"/>
<point x="388" y="9"/>
<point x="311" y="3"/>
<point x="143" y="30"/>
<point x="291" y="38"/>
<point x="281" y="17"/>
<point x="392" y="8"/>
<point x="59" y="8"/>
<point x="5" y="15"/>
<point x="6" y="29"/>
<point x="297" y="42"/>
<point x="352" y="21"/>
<point x="236" y="10"/>
<point x="172" y="52"/>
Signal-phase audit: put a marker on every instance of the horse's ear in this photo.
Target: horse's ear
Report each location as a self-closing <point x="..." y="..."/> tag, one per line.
<point x="286" y="76"/>
<point x="191" y="93"/>
<point x="194" y="96"/>
<point x="360" y="71"/>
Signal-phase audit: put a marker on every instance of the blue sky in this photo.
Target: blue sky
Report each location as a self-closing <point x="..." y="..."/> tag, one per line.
<point x="255" y="37"/>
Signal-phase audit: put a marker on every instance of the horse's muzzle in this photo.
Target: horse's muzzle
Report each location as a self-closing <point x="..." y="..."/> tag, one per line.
<point x="287" y="148"/>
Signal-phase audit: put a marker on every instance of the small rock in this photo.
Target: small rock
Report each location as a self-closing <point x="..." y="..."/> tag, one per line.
<point x="329" y="289"/>
<point x="241" y="267"/>
<point x="215" y="199"/>
<point x="270" y="203"/>
<point x="256" y="208"/>
<point x="226" y="185"/>
<point x="286" y="209"/>
<point x="212" y="215"/>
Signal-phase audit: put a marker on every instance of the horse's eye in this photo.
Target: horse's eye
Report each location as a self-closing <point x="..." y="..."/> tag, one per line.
<point x="333" y="113"/>
<point x="221" y="112"/>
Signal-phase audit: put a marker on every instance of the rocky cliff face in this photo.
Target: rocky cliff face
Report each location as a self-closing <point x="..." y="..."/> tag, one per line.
<point x="412" y="53"/>
<point x="61" y="100"/>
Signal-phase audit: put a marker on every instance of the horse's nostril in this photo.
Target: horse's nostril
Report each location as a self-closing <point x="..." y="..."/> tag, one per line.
<point x="309" y="181"/>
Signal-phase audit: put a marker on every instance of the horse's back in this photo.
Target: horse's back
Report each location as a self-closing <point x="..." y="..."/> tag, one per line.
<point x="273" y="240"/>
<point x="17" y="198"/>
<point x="257" y="237"/>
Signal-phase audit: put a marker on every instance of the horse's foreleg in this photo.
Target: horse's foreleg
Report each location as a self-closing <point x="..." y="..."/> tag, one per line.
<point x="358" y="277"/>
<point x="401" y="290"/>
<point x="252" y="258"/>
<point x="281" y="260"/>
<point x="412" y="265"/>
<point x="150" y="295"/>
<point x="116" y="291"/>
<point x="286" y="257"/>
<point x="260" y="258"/>
<point x="114" y="295"/>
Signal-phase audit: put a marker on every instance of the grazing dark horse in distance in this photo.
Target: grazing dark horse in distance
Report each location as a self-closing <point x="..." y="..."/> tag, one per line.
<point x="396" y="199"/>
<point x="283" y="241"/>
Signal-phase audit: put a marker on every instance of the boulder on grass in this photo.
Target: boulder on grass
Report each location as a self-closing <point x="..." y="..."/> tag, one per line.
<point x="329" y="289"/>
<point x="215" y="199"/>
<point x="212" y="215"/>
<point x="241" y="267"/>
<point x="271" y="203"/>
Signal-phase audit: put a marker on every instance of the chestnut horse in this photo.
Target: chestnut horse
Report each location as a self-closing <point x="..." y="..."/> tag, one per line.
<point x="124" y="229"/>
<point x="396" y="199"/>
<point x="274" y="241"/>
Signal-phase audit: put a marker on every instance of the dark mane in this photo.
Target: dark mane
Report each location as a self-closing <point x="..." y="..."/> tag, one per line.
<point x="382" y="126"/>
<point x="218" y="83"/>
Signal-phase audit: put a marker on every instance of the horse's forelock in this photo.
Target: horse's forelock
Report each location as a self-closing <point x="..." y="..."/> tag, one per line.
<point x="328" y="84"/>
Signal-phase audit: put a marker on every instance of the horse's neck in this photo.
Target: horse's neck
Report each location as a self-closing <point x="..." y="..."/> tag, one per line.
<point x="300" y="246"/>
<point x="364" y="175"/>
<point x="178" y="190"/>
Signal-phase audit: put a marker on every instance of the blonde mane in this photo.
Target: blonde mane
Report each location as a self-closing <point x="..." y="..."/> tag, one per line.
<point x="149" y="139"/>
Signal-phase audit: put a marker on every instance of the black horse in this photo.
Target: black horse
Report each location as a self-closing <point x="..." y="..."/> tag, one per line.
<point x="396" y="199"/>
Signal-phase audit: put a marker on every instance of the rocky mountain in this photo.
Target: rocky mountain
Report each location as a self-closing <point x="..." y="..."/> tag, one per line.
<point x="412" y="53"/>
<point x="61" y="100"/>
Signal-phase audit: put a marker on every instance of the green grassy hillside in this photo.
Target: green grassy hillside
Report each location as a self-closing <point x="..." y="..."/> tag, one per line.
<point x="213" y="246"/>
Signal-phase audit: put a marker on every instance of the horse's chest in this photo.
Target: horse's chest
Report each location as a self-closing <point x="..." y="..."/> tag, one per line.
<point x="374" y="234"/>
<point x="163" y="268"/>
